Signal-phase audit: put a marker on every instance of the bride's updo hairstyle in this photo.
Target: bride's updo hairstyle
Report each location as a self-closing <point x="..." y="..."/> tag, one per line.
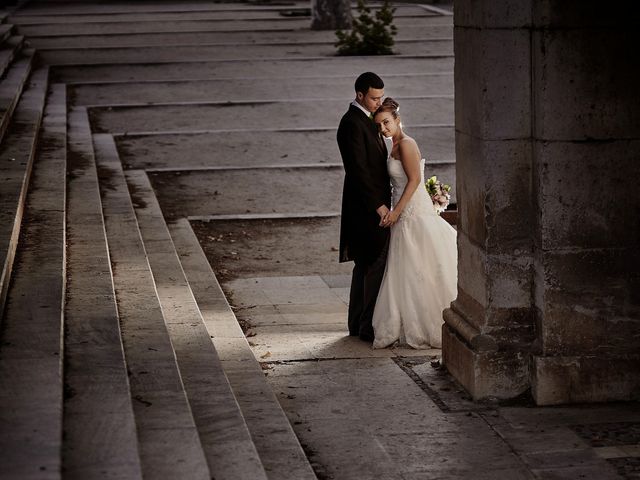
<point x="389" y="105"/>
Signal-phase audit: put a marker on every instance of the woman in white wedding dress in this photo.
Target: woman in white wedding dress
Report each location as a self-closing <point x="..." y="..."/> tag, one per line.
<point x="421" y="273"/>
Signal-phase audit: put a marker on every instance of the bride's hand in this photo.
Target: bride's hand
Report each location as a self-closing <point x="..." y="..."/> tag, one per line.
<point x="392" y="217"/>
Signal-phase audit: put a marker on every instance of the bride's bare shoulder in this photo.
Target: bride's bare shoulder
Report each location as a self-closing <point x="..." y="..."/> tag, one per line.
<point x="408" y="145"/>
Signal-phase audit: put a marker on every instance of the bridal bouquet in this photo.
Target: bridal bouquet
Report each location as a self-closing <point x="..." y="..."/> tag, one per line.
<point x="439" y="193"/>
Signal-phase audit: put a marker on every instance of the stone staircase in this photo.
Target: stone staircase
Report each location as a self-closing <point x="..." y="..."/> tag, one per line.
<point x="119" y="354"/>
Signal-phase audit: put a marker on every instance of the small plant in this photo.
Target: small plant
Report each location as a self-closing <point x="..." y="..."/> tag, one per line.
<point x="369" y="35"/>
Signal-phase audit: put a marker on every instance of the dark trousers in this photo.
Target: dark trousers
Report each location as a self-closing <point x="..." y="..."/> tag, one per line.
<point x="365" y="284"/>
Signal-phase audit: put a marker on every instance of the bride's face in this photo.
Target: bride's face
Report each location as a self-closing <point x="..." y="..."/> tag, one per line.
<point x="387" y="125"/>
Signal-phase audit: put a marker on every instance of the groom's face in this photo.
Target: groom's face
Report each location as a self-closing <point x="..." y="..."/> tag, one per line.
<point x="372" y="99"/>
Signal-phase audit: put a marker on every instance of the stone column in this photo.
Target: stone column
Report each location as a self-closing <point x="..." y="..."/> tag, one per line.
<point x="547" y="129"/>
<point x="489" y="330"/>
<point x="586" y="172"/>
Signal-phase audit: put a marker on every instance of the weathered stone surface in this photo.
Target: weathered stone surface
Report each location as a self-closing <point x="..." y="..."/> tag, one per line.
<point x="472" y="274"/>
<point x="493" y="83"/>
<point x="507" y="14"/>
<point x="581" y="90"/>
<point x="586" y="378"/>
<point x="485" y="375"/>
<point x="547" y="265"/>
<point x="497" y="189"/>
<point x="585" y="196"/>
<point x="584" y="297"/>
<point x="550" y="14"/>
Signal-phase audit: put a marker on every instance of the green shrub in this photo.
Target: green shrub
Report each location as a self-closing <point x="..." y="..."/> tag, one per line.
<point x="369" y="35"/>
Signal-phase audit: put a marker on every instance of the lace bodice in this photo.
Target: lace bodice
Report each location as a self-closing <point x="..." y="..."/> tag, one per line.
<point x="420" y="201"/>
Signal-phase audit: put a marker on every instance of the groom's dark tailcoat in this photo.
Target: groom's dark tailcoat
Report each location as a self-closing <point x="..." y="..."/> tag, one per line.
<point x="366" y="187"/>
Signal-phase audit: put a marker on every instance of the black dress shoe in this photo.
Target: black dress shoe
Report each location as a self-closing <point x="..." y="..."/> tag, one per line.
<point x="367" y="337"/>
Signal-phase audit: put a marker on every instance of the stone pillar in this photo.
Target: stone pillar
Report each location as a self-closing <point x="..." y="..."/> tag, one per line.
<point x="547" y="142"/>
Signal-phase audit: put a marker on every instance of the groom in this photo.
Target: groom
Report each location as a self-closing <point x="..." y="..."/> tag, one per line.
<point x="366" y="197"/>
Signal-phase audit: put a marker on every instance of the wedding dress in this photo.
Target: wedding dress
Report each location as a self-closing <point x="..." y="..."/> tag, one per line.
<point x="421" y="273"/>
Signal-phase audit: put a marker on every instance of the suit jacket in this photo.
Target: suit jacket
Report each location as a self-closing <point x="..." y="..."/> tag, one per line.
<point x="366" y="187"/>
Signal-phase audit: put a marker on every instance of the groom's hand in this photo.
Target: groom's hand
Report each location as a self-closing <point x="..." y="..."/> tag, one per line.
<point x="383" y="212"/>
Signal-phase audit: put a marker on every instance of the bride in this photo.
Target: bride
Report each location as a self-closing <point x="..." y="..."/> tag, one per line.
<point x="421" y="272"/>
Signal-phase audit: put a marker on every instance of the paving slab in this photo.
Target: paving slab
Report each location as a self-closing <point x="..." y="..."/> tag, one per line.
<point x="418" y="423"/>
<point x="349" y="411"/>
<point x="284" y="334"/>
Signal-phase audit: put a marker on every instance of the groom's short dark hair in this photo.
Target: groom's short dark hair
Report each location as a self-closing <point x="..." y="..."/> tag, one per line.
<point x="368" y="80"/>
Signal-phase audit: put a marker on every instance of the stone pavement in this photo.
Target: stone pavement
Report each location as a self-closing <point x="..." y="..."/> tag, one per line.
<point x="395" y="413"/>
<point x="229" y="112"/>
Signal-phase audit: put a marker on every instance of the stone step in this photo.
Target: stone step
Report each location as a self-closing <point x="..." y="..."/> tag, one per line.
<point x="220" y="25"/>
<point x="6" y="30"/>
<point x="245" y="116"/>
<point x="224" y="37"/>
<point x="16" y="159"/>
<point x="271" y="431"/>
<point x="226" y="15"/>
<point x="49" y="8"/>
<point x="31" y="387"/>
<point x="11" y="87"/>
<point x="168" y="440"/>
<point x="239" y="90"/>
<point x="225" y="438"/>
<point x="255" y="69"/>
<point x="9" y="50"/>
<point x="141" y="54"/>
<point x="57" y="8"/>
<point x="260" y="148"/>
<point x="85" y="7"/>
<point x="99" y="423"/>
<point x="169" y="27"/>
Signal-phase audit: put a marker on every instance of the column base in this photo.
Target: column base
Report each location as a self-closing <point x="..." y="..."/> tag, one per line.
<point x="488" y="374"/>
<point x="558" y="380"/>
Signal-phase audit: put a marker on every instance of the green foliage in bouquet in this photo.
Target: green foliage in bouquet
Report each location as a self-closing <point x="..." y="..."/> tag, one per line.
<point x="369" y="35"/>
<point x="439" y="192"/>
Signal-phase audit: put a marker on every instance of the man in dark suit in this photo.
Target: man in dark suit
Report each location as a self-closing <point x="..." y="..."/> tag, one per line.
<point x="366" y="197"/>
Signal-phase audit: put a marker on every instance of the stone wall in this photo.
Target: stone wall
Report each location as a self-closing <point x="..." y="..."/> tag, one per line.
<point x="548" y="160"/>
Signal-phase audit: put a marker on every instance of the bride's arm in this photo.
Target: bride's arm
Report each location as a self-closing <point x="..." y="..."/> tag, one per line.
<point x="410" y="158"/>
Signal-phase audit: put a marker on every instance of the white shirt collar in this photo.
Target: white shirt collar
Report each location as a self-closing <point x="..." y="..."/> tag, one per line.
<point x="364" y="110"/>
